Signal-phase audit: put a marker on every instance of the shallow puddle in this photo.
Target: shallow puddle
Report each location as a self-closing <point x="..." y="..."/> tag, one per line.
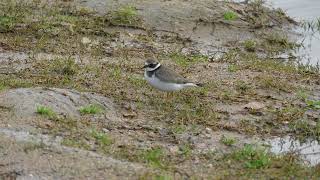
<point x="308" y="151"/>
<point x="304" y="11"/>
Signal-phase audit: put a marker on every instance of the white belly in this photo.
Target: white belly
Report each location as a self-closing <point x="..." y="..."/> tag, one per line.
<point x="163" y="86"/>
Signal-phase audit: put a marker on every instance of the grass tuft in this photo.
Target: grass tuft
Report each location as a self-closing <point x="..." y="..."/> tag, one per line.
<point x="101" y="138"/>
<point x="67" y="67"/>
<point x="186" y="150"/>
<point x="75" y="142"/>
<point x="228" y="141"/>
<point x="232" y="68"/>
<point x="126" y="15"/>
<point x="253" y="157"/>
<point x="90" y="109"/>
<point x="305" y="130"/>
<point x="270" y="82"/>
<point x="313" y="104"/>
<point x="187" y="60"/>
<point x="289" y="113"/>
<point x="278" y="43"/>
<point x="250" y="45"/>
<point x="230" y="15"/>
<point x="7" y="23"/>
<point x="45" y="111"/>
<point x="155" y="157"/>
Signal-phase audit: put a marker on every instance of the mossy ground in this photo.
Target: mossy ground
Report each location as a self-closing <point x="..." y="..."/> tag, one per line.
<point x="78" y="40"/>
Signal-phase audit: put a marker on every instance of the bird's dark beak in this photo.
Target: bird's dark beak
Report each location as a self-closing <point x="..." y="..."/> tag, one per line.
<point x="144" y="66"/>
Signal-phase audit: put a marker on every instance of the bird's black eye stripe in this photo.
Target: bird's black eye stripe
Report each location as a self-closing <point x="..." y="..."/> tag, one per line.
<point x="152" y="65"/>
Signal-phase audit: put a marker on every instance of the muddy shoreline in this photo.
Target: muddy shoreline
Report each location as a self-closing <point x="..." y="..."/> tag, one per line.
<point x="77" y="67"/>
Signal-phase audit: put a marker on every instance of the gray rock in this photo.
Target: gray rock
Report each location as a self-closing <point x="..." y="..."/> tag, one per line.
<point x="24" y="101"/>
<point x="27" y="156"/>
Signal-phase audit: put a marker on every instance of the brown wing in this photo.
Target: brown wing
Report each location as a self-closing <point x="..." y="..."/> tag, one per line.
<point x="169" y="75"/>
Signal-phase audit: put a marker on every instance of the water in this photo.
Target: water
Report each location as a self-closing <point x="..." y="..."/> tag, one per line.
<point x="308" y="151"/>
<point x="303" y="10"/>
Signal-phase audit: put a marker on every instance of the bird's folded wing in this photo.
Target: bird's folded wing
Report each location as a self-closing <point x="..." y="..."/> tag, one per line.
<point x="168" y="75"/>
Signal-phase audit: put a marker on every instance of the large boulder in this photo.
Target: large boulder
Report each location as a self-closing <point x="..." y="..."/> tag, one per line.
<point x="24" y="101"/>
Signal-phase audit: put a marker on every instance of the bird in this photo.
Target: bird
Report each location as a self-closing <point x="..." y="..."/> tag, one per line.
<point x="165" y="79"/>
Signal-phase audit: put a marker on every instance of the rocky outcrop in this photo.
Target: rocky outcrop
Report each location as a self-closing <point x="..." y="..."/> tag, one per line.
<point x="24" y="101"/>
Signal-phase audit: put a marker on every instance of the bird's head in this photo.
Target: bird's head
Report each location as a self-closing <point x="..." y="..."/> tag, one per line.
<point x="151" y="65"/>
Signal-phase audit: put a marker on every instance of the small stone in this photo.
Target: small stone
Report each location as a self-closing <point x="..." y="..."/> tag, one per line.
<point x="209" y="130"/>
<point x="85" y="40"/>
<point x="202" y="146"/>
<point x="131" y="114"/>
<point x="254" y="106"/>
<point x="196" y="160"/>
<point x="174" y="149"/>
<point x="105" y="130"/>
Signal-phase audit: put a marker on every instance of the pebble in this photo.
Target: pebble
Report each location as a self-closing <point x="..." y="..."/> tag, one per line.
<point x="85" y="40"/>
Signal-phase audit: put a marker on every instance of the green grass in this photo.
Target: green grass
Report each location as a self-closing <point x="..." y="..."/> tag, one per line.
<point x="253" y="62"/>
<point x="163" y="177"/>
<point x="304" y="130"/>
<point x="53" y="28"/>
<point x="312" y="26"/>
<point x="64" y="66"/>
<point x="116" y="72"/>
<point x="253" y="157"/>
<point x="228" y="141"/>
<point x="45" y="111"/>
<point x="278" y="43"/>
<point x="31" y="146"/>
<point x="248" y="126"/>
<point x="11" y="13"/>
<point x="7" y="82"/>
<point x="2" y="86"/>
<point x="7" y="23"/>
<point x="91" y="109"/>
<point x="178" y="128"/>
<point x="126" y="15"/>
<point x="243" y="86"/>
<point x="101" y="138"/>
<point x="230" y="15"/>
<point x="250" y="45"/>
<point x="186" y="150"/>
<point x="76" y="143"/>
<point x="232" y="68"/>
<point x="302" y="94"/>
<point x="252" y="162"/>
<point x="227" y="95"/>
<point x="187" y="60"/>
<point x="80" y="134"/>
<point x="313" y="104"/>
<point x="288" y="113"/>
<point x="155" y="157"/>
<point x="270" y="82"/>
<point x="156" y="176"/>
<point x="137" y="81"/>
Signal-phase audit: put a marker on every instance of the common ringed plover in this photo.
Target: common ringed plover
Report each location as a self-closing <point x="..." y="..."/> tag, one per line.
<point x="165" y="79"/>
